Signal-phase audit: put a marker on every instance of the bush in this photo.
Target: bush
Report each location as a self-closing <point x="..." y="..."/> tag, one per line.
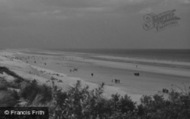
<point x="177" y="106"/>
<point x="3" y="84"/>
<point x="8" y="98"/>
<point x="32" y="90"/>
<point x="81" y="103"/>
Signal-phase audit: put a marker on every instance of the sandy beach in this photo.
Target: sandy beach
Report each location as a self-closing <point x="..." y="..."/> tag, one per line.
<point x="92" y="70"/>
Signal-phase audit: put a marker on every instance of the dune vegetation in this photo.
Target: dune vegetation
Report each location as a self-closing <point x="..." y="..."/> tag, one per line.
<point x="79" y="102"/>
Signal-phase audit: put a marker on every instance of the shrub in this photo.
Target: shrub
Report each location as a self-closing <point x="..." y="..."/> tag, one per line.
<point x="3" y="84"/>
<point x="81" y="103"/>
<point x="8" y="98"/>
<point x="177" y="106"/>
<point x="32" y="90"/>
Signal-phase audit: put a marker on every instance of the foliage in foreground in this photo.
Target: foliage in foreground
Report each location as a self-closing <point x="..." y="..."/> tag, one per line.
<point x="81" y="103"/>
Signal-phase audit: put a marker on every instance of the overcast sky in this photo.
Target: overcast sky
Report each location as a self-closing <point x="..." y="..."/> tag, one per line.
<point x="90" y="24"/>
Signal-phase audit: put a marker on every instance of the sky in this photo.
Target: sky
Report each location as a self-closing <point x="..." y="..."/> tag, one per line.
<point x="60" y="24"/>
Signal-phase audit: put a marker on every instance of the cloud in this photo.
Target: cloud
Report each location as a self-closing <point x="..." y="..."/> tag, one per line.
<point x="90" y="23"/>
<point x="29" y="10"/>
<point x="88" y="3"/>
<point x="32" y="9"/>
<point x="37" y="5"/>
<point x="184" y="1"/>
<point x="146" y="10"/>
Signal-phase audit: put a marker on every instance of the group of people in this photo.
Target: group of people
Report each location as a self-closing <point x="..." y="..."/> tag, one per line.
<point x="116" y="80"/>
<point x="74" y="69"/>
<point x="113" y="80"/>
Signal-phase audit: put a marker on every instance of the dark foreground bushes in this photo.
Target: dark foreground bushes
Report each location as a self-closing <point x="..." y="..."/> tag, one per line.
<point x="81" y="103"/>
<point x="32" y="92"/>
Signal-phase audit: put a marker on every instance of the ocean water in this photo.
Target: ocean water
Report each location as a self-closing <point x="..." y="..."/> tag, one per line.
<point x="179" y="55"/>
<point x="157" y="54"/>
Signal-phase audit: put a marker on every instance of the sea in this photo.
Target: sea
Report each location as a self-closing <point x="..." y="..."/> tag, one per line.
<point x="181" y="55"/>
<point x="178" y="55"/>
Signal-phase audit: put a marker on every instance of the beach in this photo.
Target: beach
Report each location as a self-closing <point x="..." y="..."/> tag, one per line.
<point x="136" y="76"/>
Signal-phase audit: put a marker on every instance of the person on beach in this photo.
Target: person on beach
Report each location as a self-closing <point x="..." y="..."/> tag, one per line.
<point x="137" y="74"/>
<point x="92" y="74"/>
<point x="116" y="80"/>
<point x="75" y="69"/>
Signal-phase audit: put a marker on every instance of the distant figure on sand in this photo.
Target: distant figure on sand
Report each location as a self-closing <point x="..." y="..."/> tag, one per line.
<point x="92" y="74"/>
<point x="75" y="69"/>
<point x="116" y="80"/>
<point x="137" y="74"/>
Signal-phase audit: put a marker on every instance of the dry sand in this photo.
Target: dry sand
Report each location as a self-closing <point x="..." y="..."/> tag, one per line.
<point x="43" y="66"/>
